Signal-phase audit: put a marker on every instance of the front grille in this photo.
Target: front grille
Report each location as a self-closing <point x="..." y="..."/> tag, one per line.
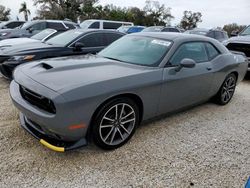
<point x="38" y="100"/>
<point x="240" y="47"/>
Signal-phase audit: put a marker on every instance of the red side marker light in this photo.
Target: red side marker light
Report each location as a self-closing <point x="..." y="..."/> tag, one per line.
<point x="80" y="126"/>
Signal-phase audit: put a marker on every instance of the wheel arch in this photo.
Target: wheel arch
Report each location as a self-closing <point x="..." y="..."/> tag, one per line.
<point x="235" y="73"/>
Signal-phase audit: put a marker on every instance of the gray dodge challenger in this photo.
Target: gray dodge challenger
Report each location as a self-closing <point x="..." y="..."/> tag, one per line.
<point x="68" y="101"/>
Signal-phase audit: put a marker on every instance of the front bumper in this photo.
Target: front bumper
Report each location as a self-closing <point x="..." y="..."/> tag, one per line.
<point x="47" y="140"/>
<point x="53" y="130"/>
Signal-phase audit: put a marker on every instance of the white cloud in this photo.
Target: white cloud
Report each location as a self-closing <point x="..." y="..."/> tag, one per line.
<point x="215" y="13"/>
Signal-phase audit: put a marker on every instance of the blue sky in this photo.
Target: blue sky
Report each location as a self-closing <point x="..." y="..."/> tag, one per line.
<point x="215" y="12"/>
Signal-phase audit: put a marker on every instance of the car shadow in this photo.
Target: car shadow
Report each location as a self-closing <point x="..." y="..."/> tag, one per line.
<point x="247" y="77"/>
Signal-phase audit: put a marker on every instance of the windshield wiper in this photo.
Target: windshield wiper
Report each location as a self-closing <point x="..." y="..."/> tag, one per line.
<point x="113" y="58"/>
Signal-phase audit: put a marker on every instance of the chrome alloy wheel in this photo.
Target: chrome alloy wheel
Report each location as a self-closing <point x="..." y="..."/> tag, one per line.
<point x="117" y="124"/>
<point x="228" y="89"/>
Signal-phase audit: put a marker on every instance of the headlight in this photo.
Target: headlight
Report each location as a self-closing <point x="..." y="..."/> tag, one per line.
<point x="21" y="58"/>
<point x="4" y="34"/>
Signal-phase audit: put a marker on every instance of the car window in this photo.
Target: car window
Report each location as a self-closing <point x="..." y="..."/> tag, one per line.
<point x="111" y="37"/>
<point x="218" y="35"/>
<point x="43" y="34"/>
<point x="212" y="51"/>
<point x="65" y="38"/>
<point x="95" y="25"/>
<point x="57" y="26"/>
<point x="145" y="51"/>
<point x="13" y="25"/>
<point x="38" y="26"/>
<point x="70" y="26"/>
<point x="170" y="30"/>
<point x="210" y="34"/>
<point x="111" y="25"/>
<point x="93" y="40"/>
<point x="191" y="50"/>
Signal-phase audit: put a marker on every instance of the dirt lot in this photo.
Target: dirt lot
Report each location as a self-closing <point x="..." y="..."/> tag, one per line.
<point x="207" y="146"/>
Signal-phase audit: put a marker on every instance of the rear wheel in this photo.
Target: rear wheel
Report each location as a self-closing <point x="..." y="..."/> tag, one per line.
<point x="115" y="123"/>
<point x="226" y="91"/>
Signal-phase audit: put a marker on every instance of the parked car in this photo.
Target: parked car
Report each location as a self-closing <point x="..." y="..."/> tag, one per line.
<point x="39" y="37"/>
<point x="66" y="102"/>
<point x="33" y="27"/>
<point x="162" y="29"/>
<point x="240" y="43"/>
<point x="103" y="24"/>
<point x="72" y="42"/>
<point x="217" y="34"/>
<point x="11" y="24"/>
<point x="131" y="29"/>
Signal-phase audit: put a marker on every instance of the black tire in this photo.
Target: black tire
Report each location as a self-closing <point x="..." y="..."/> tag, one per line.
<point x="227" y="90"/>
<point x="104" y="129"/>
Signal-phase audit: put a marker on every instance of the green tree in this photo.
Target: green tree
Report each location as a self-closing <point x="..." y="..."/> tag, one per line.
<point x="25" y="11"/>
<point x="229" y="28"/>
<point x="59" y="9"/>
<point x="157" y="14"/>
<point x="190" y="20"/>
<point x="4" y="13"/>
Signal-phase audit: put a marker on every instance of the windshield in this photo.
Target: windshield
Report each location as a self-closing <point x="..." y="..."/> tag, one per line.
<point x="198" y="32"/>
<point x="123" y="29"/>
<point x="26" y="25"/>
<point x="153" y="29"/>
<point x="85" y="24"/>
<point x="65" y="38"/>
<point x="43" y="34"/>
<point x="245" y="32"/>
<point x="138" y="50"/>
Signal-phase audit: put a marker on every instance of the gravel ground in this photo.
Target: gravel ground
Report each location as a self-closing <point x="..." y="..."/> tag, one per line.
<point x="206" y="146"/>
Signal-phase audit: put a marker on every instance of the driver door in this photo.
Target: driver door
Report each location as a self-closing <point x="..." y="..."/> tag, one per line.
<point x="187" y="86"/>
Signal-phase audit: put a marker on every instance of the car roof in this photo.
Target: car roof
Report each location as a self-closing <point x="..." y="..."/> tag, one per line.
<point x="170" y="35"/>
<point x="95" y="30"/>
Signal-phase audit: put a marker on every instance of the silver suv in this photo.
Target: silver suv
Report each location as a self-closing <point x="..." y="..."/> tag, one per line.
<point x="31" y="28"/>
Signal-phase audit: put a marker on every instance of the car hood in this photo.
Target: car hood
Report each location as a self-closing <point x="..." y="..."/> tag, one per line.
<point x="61" y="74"/>
<point x="27" y="48"/>
<point x="16" y="41"/>
<point x="239" y="39"/>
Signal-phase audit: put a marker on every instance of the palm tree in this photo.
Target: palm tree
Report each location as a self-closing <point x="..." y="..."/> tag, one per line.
<point x="25" y="10"/>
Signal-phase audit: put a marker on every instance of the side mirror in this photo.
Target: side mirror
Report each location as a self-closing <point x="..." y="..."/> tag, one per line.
<point x="186" y="63"/>
<point x="78" y="46"/>
<point x="234" y="33"/>
<point x="30" y="29"/>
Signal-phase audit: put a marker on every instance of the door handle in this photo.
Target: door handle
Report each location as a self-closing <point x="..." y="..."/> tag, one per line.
<point x="209" y="68"/>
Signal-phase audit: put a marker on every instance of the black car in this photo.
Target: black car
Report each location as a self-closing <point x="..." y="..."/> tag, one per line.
<point x="31" y="28"/>
<point x="11" y="24"/>
<point x="72" y="42"/>
<point x="240" y="43"/>
<point x="217" y="34"/>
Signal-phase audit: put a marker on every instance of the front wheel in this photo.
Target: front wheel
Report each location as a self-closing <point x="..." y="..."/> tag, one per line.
<point x="226" y="91"/>
<point x="115" y="123"/>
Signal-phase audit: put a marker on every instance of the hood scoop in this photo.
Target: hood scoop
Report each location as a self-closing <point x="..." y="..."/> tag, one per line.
<point x="46" y="66"/>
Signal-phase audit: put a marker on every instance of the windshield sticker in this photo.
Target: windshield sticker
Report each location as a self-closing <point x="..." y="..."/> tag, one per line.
<point x="161" y="42"/>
